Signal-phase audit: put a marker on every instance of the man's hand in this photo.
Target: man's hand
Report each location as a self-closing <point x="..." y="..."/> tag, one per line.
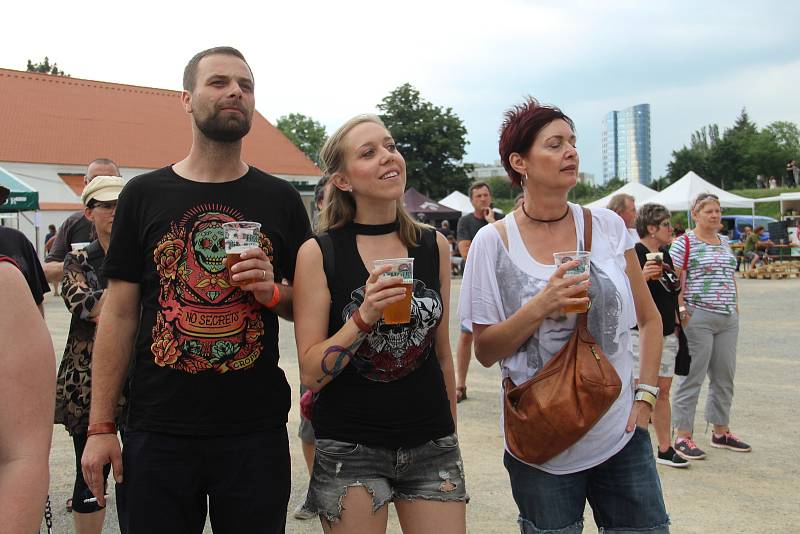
<point x="254" y="273"/>
<point x="101" y="449"/>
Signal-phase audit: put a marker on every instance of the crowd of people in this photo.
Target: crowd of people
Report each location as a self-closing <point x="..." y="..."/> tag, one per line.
<point x="173" y="346"/>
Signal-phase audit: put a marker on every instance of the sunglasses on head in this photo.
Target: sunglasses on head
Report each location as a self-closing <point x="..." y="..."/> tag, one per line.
<point x="669" y="280"/>
<point x="702" y="198"/>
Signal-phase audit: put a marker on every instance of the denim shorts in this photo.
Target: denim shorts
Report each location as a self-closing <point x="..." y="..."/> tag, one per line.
<point x="624" y="493"/>
<point x="432" y="471"/>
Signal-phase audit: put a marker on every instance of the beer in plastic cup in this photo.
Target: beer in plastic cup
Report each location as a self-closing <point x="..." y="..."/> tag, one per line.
<point x="657" y="257"/>
<point x="399" y="312"/>
<point x="583" y="267"/>
<point x="79" y="246"/>
<point x="240" y="236"/>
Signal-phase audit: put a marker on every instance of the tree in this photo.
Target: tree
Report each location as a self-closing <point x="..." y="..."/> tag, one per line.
<point x="732" y="160"/>
<point x="307" y="134"/>
<point x="45" y="67"/>
<point x="432" y="140"/>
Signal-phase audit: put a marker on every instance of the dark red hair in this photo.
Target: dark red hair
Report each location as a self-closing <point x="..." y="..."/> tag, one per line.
<point x="521" y="125"/>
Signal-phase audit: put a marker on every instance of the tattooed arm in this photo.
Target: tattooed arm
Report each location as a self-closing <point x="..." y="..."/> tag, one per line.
<point x="322" y="358"/>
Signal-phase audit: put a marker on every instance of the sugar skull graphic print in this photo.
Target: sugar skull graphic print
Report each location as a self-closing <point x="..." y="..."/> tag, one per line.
<point x="205" y="323"/>
<point x="392" y="351"/>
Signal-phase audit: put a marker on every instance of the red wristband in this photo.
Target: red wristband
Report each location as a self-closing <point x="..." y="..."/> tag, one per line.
<point x="364" y="327"/>
<point x="101" y="428"/>
<point x="276" y="297"/>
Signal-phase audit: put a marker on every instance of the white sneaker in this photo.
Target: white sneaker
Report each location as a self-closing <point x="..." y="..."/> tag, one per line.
<point x="301" y="512"/>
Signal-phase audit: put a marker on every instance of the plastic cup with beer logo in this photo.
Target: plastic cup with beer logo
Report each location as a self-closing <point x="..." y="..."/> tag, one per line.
<point x="240" y="236"/>
<point x="399" y="312"/>
<point x="582" y="257"/>
<point x="79" y="246"/>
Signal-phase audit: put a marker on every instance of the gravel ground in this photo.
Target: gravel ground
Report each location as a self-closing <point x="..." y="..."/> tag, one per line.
<point x="729" y="492"/>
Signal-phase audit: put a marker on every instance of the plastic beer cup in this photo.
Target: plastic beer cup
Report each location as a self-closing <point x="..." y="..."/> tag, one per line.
<point x="239" y="236"/>
<point x="399" y="312"/>
<point x="79" y="246"/>
<point x="583" y="267"/>
<point x="657" y="257"/>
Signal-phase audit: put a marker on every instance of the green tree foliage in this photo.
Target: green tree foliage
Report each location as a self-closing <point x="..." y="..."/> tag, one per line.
<point x="733" y="159"/>
<point x="45" y="67"/>
<point x="432" y="140"/>
<point x="307" y="134"/>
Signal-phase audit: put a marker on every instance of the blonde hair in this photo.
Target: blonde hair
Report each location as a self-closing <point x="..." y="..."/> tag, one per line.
<point x="340" y="208"/>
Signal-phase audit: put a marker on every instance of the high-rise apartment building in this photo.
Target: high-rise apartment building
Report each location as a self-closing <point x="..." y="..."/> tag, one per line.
<point x="626" y="145"/>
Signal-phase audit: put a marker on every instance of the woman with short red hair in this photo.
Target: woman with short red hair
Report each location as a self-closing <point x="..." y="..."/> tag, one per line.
<point x="513" y="295"/>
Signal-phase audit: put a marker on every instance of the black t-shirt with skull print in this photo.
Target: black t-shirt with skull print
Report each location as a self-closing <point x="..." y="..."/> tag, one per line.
<point x="392" y="394"/>
<point x="206" y="354"/>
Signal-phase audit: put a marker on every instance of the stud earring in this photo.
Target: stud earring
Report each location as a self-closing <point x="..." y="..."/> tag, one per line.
<point x="350" y="189"/>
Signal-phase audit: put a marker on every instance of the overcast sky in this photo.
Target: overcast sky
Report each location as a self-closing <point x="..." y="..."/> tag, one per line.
<point x="693" y="64"/>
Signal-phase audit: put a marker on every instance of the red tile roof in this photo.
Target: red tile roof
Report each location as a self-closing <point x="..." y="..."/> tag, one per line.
<point x="53" y="119"/>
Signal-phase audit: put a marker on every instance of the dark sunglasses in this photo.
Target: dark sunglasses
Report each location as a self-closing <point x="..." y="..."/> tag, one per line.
<point x="109" y="205"/>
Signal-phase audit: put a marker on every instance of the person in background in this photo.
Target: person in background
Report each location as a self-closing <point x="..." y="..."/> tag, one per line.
<point x="655" y="235"/>
<point x="678" y="230"/>
<point x="27" y="386"/>
<point x="624" y="205"/>
<point x="480" y="195"/>
<point x="75" y="229"/>
<point x="792" y="174"/>
<point x="709" y="311"/>
<point x="773" y="183"/>
<point x="16" y="246"/>
<point x="752" y="244"/>
<point x="444" y="229"/>
<point x="83" y="291"/>
<point x="513" y="295"/>
<point x="385" y="411"/>
<point x="456" y="261"/>
<point x="48" y="238"/>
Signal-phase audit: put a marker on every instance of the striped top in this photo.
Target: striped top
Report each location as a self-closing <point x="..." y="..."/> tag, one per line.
<point x="709" y="283"/>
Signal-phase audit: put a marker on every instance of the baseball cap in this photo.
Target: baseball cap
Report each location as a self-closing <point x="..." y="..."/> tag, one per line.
<point x="102" y="189"/>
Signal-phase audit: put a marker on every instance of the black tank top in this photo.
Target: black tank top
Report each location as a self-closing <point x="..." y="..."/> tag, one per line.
<point x="392" y="394"/>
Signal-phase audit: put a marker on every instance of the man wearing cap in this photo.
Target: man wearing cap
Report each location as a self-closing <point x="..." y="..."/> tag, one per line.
<point x="76" y="228"/>
<point x="83" y="291"/>
<point x="205" y="431"/>
<point x="16" y="246"/>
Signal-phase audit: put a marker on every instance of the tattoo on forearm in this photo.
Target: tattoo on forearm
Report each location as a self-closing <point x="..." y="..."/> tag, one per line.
<point x="338" y="354"/>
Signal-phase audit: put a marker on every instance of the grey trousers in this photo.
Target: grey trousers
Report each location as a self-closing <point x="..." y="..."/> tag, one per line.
<point x="712" y="341"/>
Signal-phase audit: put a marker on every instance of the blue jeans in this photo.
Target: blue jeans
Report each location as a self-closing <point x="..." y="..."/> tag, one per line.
<point x="624" y="493"/>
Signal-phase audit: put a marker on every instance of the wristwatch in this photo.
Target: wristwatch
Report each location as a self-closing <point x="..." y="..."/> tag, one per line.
<point x="643" y="395"/>
<point x="653" y="390"/>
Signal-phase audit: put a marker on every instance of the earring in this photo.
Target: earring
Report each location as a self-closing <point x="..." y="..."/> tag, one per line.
<point x="350" y="189"/>
<point x="652" y="235"/>
<point x="526" y="177"/>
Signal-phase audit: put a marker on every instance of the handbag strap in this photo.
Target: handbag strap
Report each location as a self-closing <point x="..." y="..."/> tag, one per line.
<point x="587" y="246"/>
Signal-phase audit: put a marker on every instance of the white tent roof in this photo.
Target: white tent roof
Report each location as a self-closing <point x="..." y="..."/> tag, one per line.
<point x="679" y="196"/>
<point x="458" y="201"/>
<point x="638" y="191"/>
<point x="779" y="198"/>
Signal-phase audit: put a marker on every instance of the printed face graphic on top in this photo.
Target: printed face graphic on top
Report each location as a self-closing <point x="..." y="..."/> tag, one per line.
<point x="205" y="323"/>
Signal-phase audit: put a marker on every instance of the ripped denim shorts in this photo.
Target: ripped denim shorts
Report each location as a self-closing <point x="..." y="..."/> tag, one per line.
<point x="431" y="471"/>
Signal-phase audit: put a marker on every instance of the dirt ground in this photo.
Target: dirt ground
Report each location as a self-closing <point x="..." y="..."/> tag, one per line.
<point x="729" y="492"/>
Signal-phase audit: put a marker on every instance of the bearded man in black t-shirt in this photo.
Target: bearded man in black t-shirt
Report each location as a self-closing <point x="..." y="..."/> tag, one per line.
<point x="208" y="403"/>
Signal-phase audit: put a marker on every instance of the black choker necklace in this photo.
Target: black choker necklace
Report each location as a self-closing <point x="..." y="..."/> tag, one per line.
<point x="544" y="220"/>
<point x="376" y="229"/>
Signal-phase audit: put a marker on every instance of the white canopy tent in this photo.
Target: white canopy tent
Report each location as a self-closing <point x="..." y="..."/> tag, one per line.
<point x="457" y="201"/>
<point x="641" y="193"/>
<point x="679" y="196"/>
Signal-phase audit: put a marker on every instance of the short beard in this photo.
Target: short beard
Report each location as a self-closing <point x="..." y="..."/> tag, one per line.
<point x="228" y="131"/>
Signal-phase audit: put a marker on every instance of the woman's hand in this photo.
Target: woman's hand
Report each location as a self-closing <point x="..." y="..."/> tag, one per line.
<point x="651" y="270"/>
<point x="561" y="292"/>
<point x="379" y="293"/>
<point x="640" y="416"/>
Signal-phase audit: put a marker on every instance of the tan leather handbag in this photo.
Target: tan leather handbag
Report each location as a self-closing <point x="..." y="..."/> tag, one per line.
<point x="551" y="411"/>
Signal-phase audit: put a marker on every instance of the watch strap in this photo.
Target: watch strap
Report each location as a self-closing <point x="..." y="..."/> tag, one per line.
<point x="649" y="398"/>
